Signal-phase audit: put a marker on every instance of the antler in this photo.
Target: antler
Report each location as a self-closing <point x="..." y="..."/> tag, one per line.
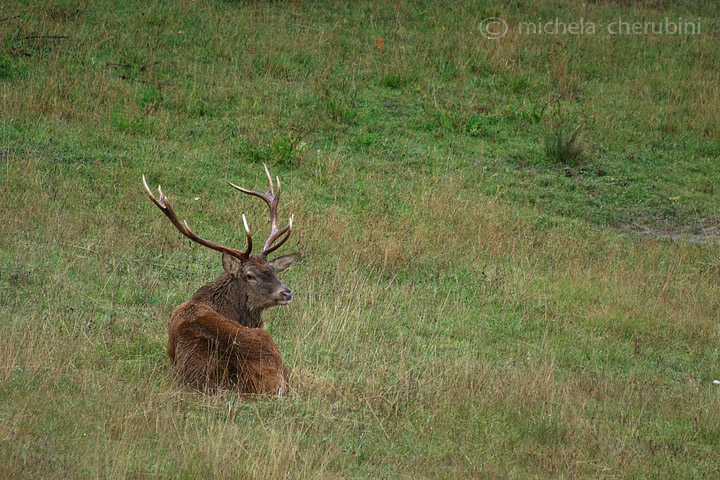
<point x="164" y="205"/>
<point x="272" y="201"/>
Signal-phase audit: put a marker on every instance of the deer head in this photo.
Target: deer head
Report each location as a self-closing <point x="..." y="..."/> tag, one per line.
<point x="255" y="273"/>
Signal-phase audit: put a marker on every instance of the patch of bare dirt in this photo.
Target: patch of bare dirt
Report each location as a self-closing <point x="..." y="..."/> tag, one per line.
<point x="707" y="233"/>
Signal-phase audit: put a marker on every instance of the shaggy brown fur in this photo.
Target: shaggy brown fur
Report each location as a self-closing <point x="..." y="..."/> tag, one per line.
<point x="216" y="340"/>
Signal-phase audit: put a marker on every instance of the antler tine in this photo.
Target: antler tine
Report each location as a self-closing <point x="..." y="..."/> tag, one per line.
<point x="247" y="234"/>
<point x="276" y="200"/>
<point x="164" y="205"/>
<point x="272" y="199"/>
<point x="267" y="172"/>
<point x="286" y="230"/>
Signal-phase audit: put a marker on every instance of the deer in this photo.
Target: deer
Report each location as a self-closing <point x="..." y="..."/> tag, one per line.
<point x="216" y="339"/>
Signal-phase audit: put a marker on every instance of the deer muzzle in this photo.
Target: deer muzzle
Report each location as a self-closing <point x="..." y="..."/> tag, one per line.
<point x="285" y="297"/>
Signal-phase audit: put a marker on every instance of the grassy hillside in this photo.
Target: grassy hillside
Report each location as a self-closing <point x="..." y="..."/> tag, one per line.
<point x="473" y="299"/>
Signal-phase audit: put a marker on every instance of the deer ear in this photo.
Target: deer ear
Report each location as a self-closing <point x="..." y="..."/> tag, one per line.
<point x="282" y="263"/>
<point x="231" y="264"/>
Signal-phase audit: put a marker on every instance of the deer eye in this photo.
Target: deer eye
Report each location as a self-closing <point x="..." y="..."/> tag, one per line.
<point x="250" y="277"/>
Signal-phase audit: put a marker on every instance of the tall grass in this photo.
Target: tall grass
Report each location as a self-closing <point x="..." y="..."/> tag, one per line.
<point x="462" y="308"/>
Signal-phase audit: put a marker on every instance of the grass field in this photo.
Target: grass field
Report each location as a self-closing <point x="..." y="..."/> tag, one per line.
<point x="509" y="248"/>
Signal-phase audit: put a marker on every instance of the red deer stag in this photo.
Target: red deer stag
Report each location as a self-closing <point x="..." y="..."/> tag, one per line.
<point x="216" y="340"/>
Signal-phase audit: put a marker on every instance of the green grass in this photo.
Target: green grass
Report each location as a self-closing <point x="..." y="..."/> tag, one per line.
<point x="463" y="308"/>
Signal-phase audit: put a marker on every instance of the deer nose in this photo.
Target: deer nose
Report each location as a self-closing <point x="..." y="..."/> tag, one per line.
<point x="286" y="295"/>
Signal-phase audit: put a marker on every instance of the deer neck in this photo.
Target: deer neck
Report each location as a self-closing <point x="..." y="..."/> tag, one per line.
<point x="228" y="297"/>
